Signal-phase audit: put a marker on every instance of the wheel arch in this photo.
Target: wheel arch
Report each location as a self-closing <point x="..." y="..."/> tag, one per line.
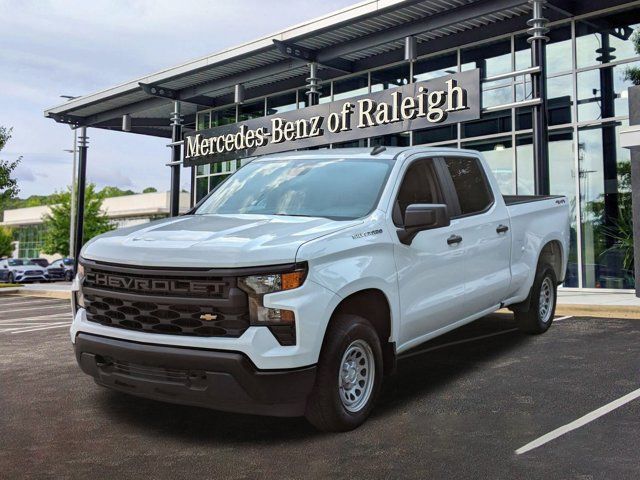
<point x="373" y="305"/>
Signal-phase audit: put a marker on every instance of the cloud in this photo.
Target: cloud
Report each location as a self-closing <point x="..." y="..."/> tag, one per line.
<point x="73" y="47"/>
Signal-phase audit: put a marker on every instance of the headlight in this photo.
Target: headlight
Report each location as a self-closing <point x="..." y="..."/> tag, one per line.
<point x="281" y="322"/>
<point x="76" y="286"/>
<point x="19" y="272"/>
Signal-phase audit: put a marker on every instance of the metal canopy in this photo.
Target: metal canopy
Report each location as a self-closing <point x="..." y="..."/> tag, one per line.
<point x="356" y="38"/>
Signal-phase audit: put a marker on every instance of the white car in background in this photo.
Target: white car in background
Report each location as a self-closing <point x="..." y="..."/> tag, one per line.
<point x="19" y="270"/>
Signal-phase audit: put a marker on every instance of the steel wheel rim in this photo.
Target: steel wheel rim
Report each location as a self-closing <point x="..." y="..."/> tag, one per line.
<point x="356" y="376"/>
<point x="546" y="300"/>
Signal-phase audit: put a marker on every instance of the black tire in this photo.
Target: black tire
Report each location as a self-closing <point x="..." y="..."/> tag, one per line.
<point x="68" y="276"/>
<point x="10" y="278"/>
<point x="536" y="320"/>
<point x="325" y="408"/>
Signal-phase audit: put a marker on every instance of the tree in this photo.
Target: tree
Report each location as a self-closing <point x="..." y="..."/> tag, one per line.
<point x="56" y="224"/>
<point x="150" y="190"/>
<point x="6" y="242"/>
<point x="109" y="192"/>
<point x="8" y="185"/>
<point x="633" y="73"/>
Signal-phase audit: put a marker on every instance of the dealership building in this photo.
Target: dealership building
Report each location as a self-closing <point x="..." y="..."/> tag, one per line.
<point x="539" y="87"/>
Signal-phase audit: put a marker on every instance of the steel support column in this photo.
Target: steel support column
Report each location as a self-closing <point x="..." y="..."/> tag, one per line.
<point x="176" y="160"/>
<point x="313" y="82"/>
<point x="83" y="145"/>
<point x="538" y="41"/>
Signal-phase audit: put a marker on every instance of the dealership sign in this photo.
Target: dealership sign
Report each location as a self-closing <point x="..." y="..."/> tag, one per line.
<point x="443" y="100"/>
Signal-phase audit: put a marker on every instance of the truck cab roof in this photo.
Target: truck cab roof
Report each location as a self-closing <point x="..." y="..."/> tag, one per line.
<point x="389" y="153"/>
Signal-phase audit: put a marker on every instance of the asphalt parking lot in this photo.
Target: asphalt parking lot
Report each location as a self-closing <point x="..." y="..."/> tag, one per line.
<point x="459" y="407"/>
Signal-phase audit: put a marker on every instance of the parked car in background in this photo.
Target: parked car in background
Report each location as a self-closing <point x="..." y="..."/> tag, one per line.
<point x="62" y="269"/>
<point x="19" y="270"/>
<point x="43" y="262"/>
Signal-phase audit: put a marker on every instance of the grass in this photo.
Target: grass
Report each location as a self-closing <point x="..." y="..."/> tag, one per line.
<point x="9" y="285"/>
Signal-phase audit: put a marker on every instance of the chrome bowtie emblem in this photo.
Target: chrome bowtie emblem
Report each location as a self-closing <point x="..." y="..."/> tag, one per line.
<point x="207" y="317"/>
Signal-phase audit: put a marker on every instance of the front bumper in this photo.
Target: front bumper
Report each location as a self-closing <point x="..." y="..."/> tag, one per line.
<point x="205" y="378"/>
<point x="31" y="278"/>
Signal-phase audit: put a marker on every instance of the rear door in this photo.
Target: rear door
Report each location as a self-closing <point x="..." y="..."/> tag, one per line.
<point x="481" y="230"/>
<point x="430" y="273"/>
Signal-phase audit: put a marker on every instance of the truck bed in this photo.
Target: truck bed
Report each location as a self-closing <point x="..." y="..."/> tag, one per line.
<point x="516" y="199"/>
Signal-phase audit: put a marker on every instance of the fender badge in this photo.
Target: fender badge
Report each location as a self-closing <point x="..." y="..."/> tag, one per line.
<point x="367" y="234"/>
<point x="207" y="317"/>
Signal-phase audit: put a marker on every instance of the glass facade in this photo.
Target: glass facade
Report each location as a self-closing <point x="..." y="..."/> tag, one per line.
<point x="587" y="103"/>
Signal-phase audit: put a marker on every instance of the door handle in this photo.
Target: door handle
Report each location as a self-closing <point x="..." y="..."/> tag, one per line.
<point x="454" y="239"/>
<point x="502" y="229"/>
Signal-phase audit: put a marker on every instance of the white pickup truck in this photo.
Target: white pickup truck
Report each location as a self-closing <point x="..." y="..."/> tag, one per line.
<point x="292" y="288"/>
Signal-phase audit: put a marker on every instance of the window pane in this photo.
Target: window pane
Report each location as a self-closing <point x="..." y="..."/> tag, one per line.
<point x="492" y="97"/>
<point x="394" y="140"/>
<point x="499" y="155"/>
<point x="606" y="39"/>
<point x="558" y="51"/>
<point x="492" y="59"/>
<point x="435" y="134"/>
<point x="490" y="123"/>
<point x="223" y="117"/>
<point x="470" y="184"/>
<point x="202" y="188"/>
<point x="522" y="52"/>
<point x="525" y="183"/>
<point x="281" y="103"/>
<point x="560" y="99"/>
<point x="602" y="93"/>
<point x="203" y="120"/>
<point x="350" y="87"/>
<point x="251" y="110"/>
<point x="433" y="67"/>
<point x="389" y="77"/>
<point x="605" y="206"/>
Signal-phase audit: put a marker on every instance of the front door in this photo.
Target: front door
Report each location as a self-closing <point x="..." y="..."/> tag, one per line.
<point x="430" y="272"/>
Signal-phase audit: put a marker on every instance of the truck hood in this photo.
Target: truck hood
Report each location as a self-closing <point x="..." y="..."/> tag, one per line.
<point x="222" y="241"/>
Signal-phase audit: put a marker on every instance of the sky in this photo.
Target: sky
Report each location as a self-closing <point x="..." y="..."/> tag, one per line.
<point x="72" y="47"/>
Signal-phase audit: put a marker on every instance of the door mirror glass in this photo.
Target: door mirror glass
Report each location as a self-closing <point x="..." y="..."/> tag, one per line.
<point x="421" y="216"/>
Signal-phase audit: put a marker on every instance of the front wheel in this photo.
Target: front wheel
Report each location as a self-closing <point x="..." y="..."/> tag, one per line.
<point x="542" y="305"/>
<point x="68" y="276"/>
<point x="349" y="376"/>
<point x="10" y="278"/>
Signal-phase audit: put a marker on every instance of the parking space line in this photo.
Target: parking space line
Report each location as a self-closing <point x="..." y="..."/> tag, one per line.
<point x="580" y="422"/>
<point x="52" y="301"/>
<point x="28" y="327"/>
<point x="563" y="318"/>
<point x="66" y="324"/>
<point x="35" y="308"/>
<point x="37" y="317"/>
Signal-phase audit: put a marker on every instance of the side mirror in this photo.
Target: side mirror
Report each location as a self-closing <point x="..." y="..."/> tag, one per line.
<point x="422" y="216"/>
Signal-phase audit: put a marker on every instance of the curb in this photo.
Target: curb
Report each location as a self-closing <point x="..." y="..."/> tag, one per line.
<point x="600" y="311"/>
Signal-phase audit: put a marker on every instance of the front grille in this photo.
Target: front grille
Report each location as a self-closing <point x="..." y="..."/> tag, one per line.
<point x="118" y="299"/>
<point x="32" y="272"/>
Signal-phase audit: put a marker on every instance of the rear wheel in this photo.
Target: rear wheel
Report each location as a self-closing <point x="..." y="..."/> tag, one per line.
<point x="542" y="304"/>
<point x="349" y="376"/>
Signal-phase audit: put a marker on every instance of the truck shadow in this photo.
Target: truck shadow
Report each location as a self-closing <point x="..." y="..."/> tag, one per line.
<point x="420" y="373"/>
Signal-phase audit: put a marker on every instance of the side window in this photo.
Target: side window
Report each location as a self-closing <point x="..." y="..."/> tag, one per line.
<point x="418" y="186"/>
<point x="470" y="182"/>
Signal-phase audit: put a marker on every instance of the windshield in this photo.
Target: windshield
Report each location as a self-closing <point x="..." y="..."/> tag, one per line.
<point x="13" y="262"/>
<point x="340" y="189"/>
